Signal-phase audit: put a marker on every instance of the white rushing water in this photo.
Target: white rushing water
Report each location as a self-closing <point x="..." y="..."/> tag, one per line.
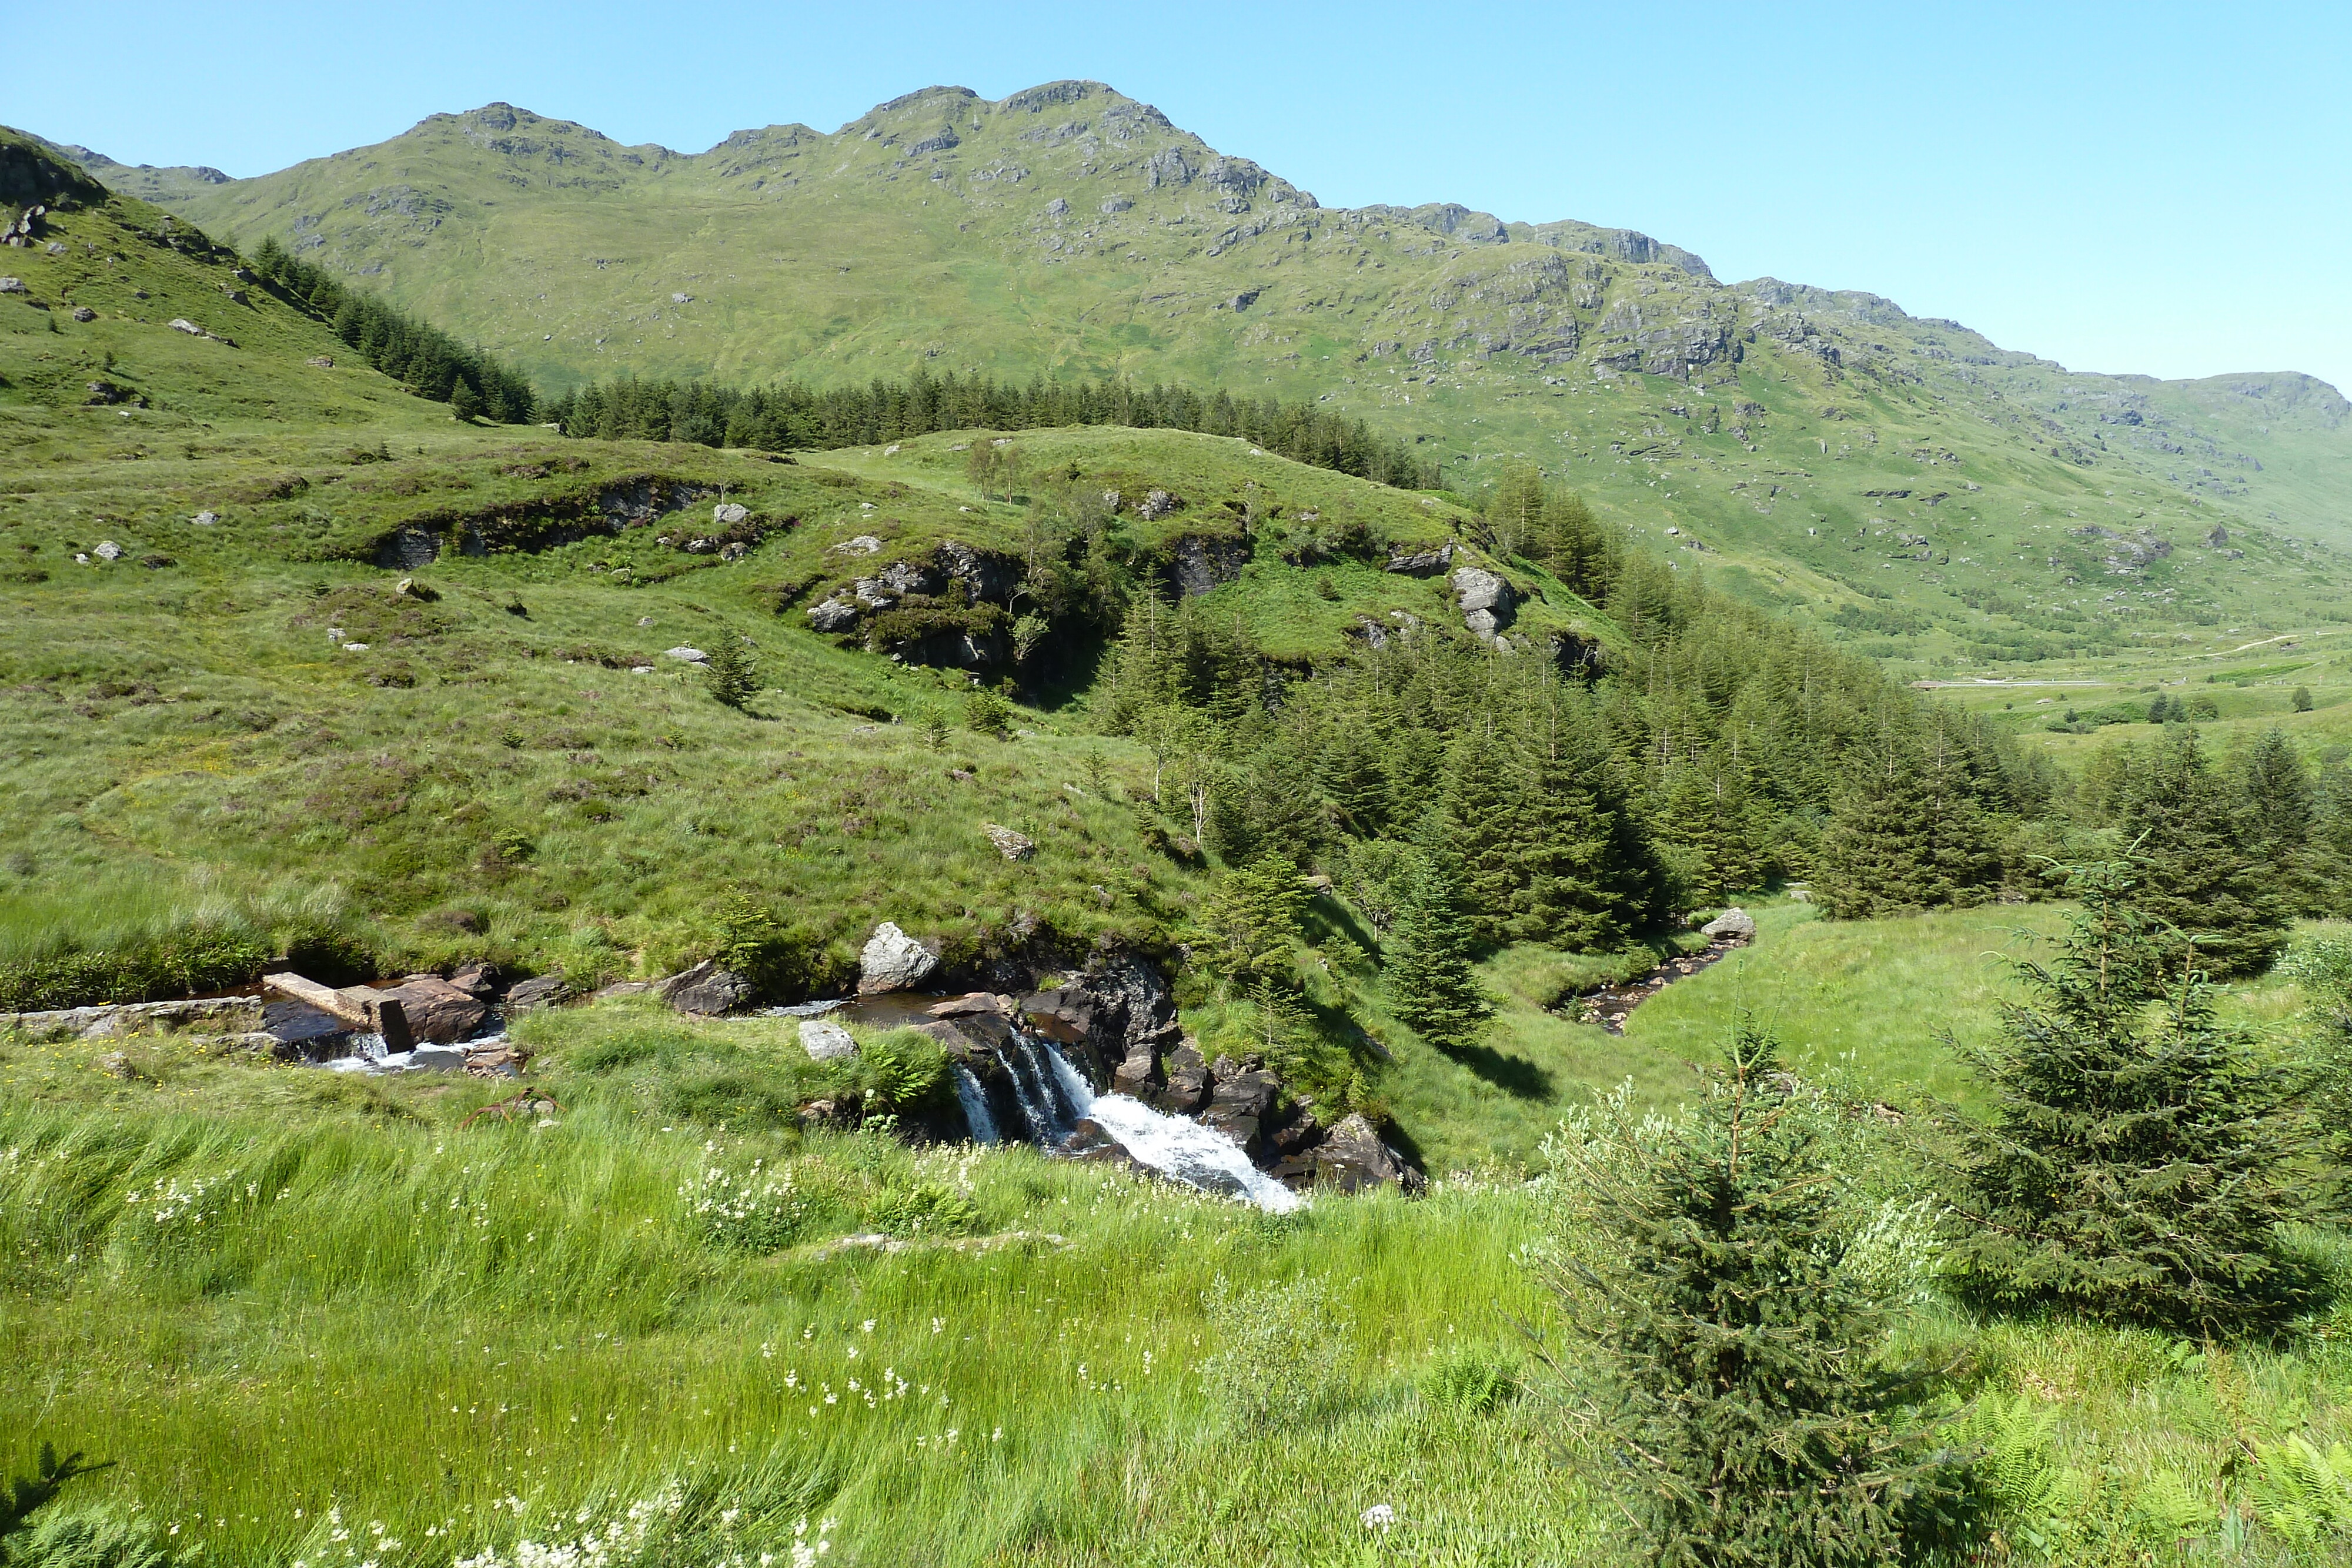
<point x="975" y="1106"/>
<point x="1176" y="1146"/>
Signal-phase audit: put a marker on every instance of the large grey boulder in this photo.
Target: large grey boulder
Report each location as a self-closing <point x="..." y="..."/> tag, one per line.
<point x="1487" y="603"/>
<point x="1733" y="923"/>
<point x="706" y="990"/>
<point x="727" y="513"/>
<point x="826" y="1040"/>
<point x="893" y="961"/>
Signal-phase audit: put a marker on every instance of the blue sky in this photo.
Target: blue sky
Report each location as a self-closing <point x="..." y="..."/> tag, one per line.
<point x="2161" y="188"/>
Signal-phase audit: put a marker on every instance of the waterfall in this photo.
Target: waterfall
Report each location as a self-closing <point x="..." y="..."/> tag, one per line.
<point x="1176" y="1146"/>
<point x="975" y="1106"/>
<point x="1040" y="1124"/>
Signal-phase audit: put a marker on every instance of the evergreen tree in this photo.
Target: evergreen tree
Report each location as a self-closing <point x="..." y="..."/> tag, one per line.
<point x="1515" y="513"/>
<point x="1573" y="546"/>
<point x="2278" y="806"/>
<point x="2141" y="1159"/>
<point x="729" y="673"/>
<point x="1587" y="881"/>
<point x="1730" y="1340"/>
<point x="1707" y="819"/>
<point x="2190" y="854"/>
<point x="1249" y="920"/>
<point x="1432" y="985"/>
<point x="1908" y="835"/>
<point x="1484" y="823"/>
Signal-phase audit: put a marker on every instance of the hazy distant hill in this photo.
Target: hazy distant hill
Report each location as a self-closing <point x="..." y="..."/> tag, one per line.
<point x="1901" y="478"/>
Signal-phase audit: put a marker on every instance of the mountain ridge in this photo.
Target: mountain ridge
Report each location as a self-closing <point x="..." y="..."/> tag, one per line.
<point x="1069" y="230"/>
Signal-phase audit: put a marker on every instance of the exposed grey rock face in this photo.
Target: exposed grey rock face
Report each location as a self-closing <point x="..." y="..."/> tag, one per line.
<point x="706" y="990"/>
<point x="864" y="544"/>
<point x="1156" y="506"/>
<point x="984" y="575"/>
<point x="1056" y="207"/>
<point x="1423" y="563"/>
<point x="727" y="513"/>
<point x="826" y="1040"/>
<point x="1201" y="564"/>
<point x="1488" y="605"/>
<point x="1116" y="205"/>
<point x="833" y="615"/>
<point x="1734" y="922"/>
<point x="893" y="961"/>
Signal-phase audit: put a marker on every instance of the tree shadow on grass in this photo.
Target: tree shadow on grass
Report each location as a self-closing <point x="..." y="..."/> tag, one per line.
<point x="1514" y="1075"/>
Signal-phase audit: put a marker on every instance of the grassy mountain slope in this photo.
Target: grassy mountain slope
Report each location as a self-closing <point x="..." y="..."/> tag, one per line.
<point x="1902" y="481"/>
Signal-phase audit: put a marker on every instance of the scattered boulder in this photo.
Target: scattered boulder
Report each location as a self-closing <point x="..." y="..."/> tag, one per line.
<point x="1734" y="924"/>
<point x="706" y="990"/>
<point x="321" y="361"/>
<point x="1012" y="846"/>
<point x="864" y="544"/>
<point x="826" y="1040"/>
<point x="729" y="513"/>
<point x="893" y="961"/>
<point x="205" y="519"/>
<point x="107" y="550"/>
<point x="12" y="285"/>
<point x="181" y="324"/>
<point x="1487" y="603"/>
<point x="84" y="313"/>
<point x="687" y="656"/>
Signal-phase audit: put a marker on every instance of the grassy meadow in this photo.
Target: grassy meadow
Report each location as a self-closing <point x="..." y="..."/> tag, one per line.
<point x="292" y="1303"/>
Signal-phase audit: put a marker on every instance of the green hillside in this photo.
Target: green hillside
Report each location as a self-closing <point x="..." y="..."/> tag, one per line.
<point x="1900" y="481"/>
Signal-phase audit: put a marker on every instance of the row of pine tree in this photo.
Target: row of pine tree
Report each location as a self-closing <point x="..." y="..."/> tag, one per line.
<point x="793" y="415"/>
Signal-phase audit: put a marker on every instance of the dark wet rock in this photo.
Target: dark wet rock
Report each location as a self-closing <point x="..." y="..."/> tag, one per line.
<point x="543" y="991"/>
<point x="1350" y="1158"/>
<point x="707" y="990"/>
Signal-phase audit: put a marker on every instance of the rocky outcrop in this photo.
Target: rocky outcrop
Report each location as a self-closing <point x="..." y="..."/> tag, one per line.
<point x="1428" y="561"/>
<point x="540" y="523"/>
<point x="1350" y="1158"/>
